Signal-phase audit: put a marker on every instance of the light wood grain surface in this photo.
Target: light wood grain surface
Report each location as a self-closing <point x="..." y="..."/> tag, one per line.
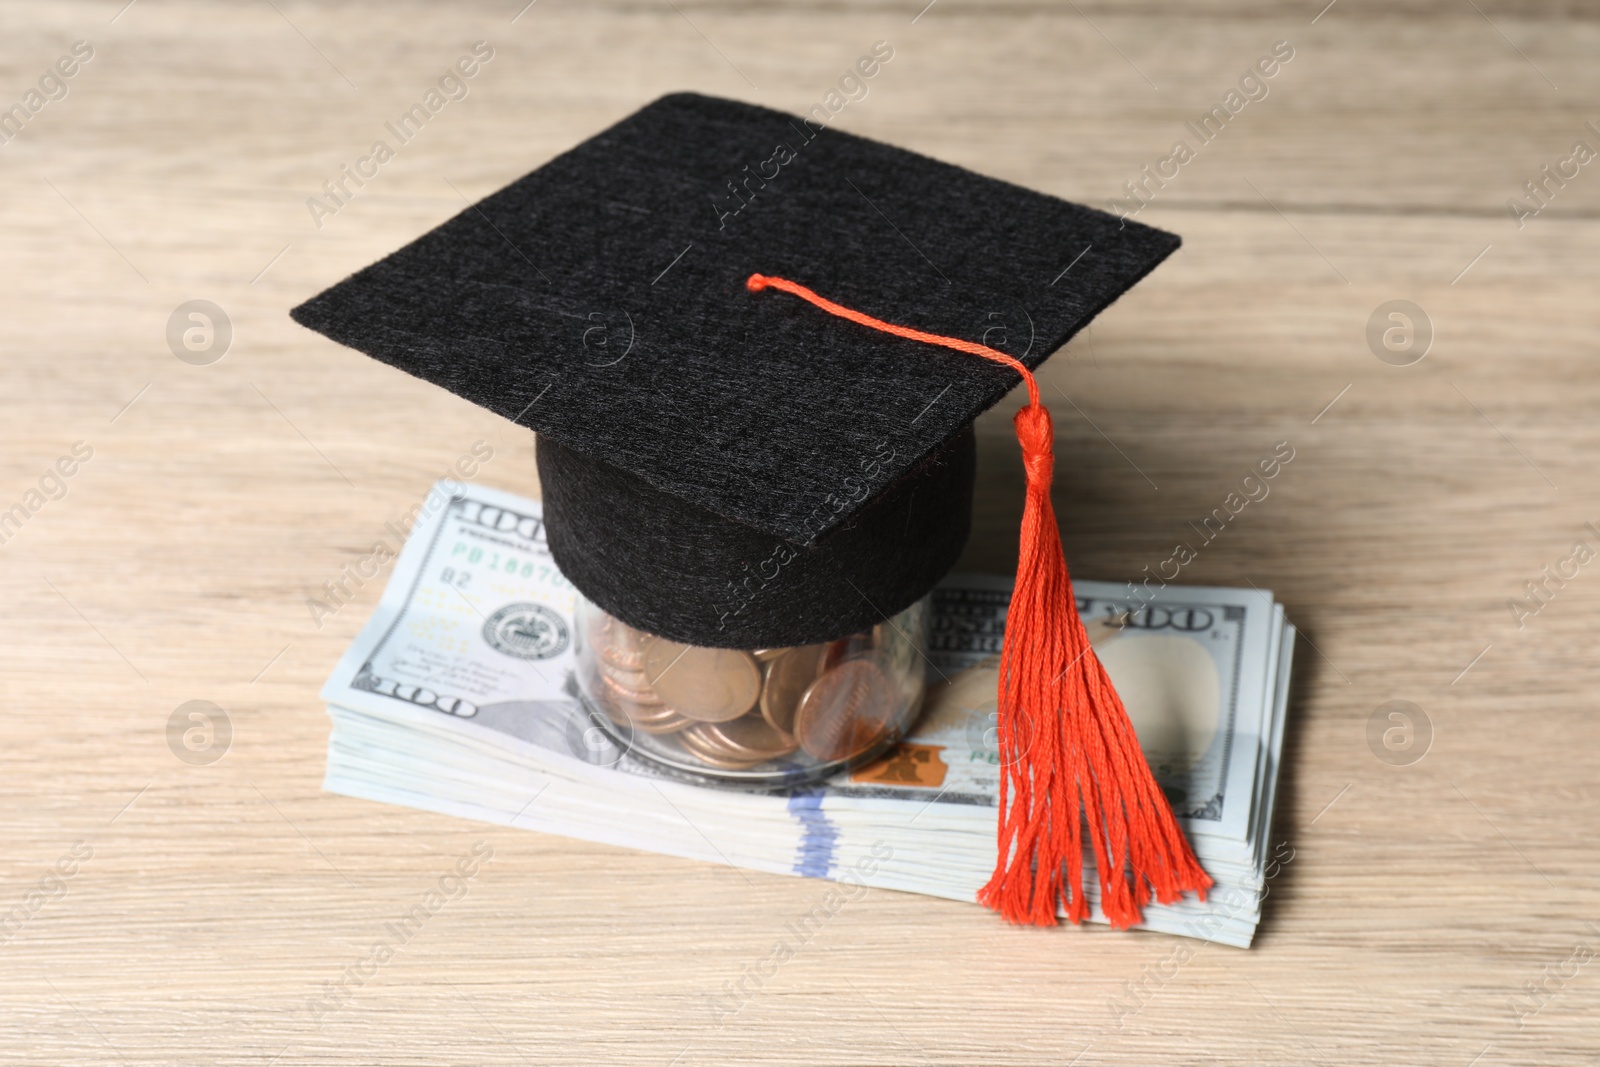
<point x="208" y="903"/>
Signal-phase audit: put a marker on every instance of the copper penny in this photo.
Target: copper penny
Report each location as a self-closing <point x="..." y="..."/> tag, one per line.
<point x="786" y="681"/>
<point x="631" y="679"/>
<point x="651" y="718"/>
<point x="705" y="743"/>
<point x="650" y="712"/>
<point x="621" y="645"/>
<point x="625" y="712"/>
<point x="628" y="694"/>
<point x="751" y="738"/>
<point x="836" y="652"/>
<point x="708" y="684"/>
<point x="669" y="725"/>
<point x="711" y="755"/>
<point x="847" y="710"/>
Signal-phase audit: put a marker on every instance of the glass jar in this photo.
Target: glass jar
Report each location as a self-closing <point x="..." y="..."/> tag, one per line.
<point x="766" y="717"/>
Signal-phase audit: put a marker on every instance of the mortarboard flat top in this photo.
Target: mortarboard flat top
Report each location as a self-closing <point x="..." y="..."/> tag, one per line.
<point x="601" y="301"/>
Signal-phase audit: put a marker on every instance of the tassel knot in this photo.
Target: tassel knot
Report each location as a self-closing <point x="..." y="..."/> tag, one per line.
<point x="1036" y="434"/>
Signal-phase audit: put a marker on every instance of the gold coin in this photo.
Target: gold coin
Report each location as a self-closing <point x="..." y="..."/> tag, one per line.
<point x="787" y="679"/>
<point x="847" y="711"/>
<point x="708" y="684"/>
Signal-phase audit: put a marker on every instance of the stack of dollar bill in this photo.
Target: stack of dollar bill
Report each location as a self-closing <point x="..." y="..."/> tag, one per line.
<point x="457" y="697"/>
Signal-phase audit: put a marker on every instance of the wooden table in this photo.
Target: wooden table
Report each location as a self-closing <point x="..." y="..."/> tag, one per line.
<point x="207" y="904"/>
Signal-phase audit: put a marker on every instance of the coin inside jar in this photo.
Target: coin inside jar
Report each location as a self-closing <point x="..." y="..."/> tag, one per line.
<point x="629" y="694"/>
<point x="786" y="681"/>
<point x="847" y="710"/>
<point x="632" y="679"/>
<point x="836" y="652"/>
<point x="670" y="723"/>
<point x="708" y="684"/>
<point x="749" y="738"/>
<point x="621" y="645"/>
<point x="712" y="756"/>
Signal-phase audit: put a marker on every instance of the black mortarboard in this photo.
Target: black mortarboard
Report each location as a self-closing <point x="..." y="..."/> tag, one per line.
<point x="730" y="469"/>
<point x="719" y="467"/>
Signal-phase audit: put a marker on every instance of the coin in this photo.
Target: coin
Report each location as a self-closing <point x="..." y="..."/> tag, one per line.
<point x="847" y="710"/>
<point x="712" y="757"/>
<point x="629" y="694"/>
<point x="621" y="645"/>
<point x="651" y="718"/>
<point x="668" y="725"/>
<point x="615" y="712"/>
<point x="708" y="684"/>
<point x="748" y="741"/>
<point x="631" y="679"/>
<point x="715" y="752"/>
<point x="650" y="713"/>
<point x="836" y="652"/>
<point x="704" y="744"/>
<point x="751" y="737"/>
<point x="622" y="711"/>
<point x="787" y="679"/>
<point x="765" y="654"/>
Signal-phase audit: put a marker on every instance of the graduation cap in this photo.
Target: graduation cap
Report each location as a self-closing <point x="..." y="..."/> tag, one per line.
<point x="752" y="349"/>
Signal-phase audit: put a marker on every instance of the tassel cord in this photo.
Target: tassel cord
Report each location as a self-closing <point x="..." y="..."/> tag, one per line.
<point x="1069" y="754"/>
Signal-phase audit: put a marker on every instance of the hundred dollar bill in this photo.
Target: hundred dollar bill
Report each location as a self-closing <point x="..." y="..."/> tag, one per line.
<point x="477" y="624"/>
<point x="459" y="695"/>
<point x="1194" y="668"/>
<point x="476" y="616"/>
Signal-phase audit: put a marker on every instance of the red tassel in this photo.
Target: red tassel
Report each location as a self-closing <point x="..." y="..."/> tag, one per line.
<point x="1069" y="754"/>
